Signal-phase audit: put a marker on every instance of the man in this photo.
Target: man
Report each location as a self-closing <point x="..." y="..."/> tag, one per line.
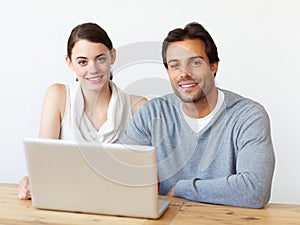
<point x="212" y="145"/>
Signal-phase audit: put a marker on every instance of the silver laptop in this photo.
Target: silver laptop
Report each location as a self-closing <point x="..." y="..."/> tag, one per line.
<point x="97" y="178"/>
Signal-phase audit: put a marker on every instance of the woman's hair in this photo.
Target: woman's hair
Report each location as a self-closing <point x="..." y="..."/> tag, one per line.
<point x="90" y="32"/>
<point x="191" y="31"/>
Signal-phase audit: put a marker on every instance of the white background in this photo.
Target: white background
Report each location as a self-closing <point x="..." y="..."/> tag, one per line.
<point x="258" y="44"/>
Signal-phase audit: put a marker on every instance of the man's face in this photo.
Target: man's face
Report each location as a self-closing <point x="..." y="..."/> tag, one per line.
<point x="189" y="69"/>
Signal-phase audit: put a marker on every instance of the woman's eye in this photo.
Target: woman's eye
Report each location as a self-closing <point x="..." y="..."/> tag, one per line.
<point x="82" y="62"/>
<point x="101" y="59"/>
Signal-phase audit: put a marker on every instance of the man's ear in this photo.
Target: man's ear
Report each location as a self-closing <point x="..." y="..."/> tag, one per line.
<point x="113" y="55"/>
<point x="214" y="67"/>
<point x="69" y="63"/>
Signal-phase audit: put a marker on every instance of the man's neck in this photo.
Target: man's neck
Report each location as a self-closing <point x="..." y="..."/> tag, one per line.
<point x="203" y="107"/>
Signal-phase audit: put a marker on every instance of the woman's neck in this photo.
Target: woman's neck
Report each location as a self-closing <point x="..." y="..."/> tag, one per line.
<point x="96" y="105"/>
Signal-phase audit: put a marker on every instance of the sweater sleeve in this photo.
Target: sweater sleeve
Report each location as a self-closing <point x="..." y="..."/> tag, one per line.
<point x="250" y="186"/>
<point x="138" y="131"/>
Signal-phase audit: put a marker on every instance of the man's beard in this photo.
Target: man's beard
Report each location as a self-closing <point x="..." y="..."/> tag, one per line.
<point x="188" y="99"/>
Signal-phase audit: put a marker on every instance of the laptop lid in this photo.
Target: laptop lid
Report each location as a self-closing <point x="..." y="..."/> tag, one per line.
<point x="99" y="178"/>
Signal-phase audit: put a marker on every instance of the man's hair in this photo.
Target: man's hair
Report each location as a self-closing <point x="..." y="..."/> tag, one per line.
<point x="191" y="31"/>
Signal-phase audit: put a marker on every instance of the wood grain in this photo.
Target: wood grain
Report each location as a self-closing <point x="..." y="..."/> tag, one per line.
<point x="181" y="211"/>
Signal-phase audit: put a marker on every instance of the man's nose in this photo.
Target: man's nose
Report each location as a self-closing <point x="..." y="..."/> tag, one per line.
<point x="184" y="71"/>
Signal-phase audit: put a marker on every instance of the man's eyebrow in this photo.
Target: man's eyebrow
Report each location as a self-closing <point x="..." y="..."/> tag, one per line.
<point x="172" y="60"/>
<point x="190" y="58"/>
<point x="195" y="57"/>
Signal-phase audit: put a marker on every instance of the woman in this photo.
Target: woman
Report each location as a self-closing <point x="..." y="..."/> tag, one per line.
<point x="92" y="109"/>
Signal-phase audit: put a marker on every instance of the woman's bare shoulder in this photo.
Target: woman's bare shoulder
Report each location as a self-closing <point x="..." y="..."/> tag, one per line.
<point x="56" y="96"/>
<point x="137" y="102"/>
<point x="56" y="89"/>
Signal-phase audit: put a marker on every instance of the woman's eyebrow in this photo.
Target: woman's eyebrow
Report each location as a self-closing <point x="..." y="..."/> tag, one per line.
<point x="83" y="57"/>
<point x="103" y="54"/>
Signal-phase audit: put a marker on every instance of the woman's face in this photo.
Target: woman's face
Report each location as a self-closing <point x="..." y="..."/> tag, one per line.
<point x="91" y="63"/>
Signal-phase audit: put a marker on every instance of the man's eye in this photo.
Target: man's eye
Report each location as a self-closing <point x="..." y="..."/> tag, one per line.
<point x="174" y="66"/>
<point x="196" y="63"/>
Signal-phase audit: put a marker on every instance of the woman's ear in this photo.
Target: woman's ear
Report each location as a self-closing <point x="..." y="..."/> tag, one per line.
<point x="113" y="55"/>
<point x="69" y="63"/>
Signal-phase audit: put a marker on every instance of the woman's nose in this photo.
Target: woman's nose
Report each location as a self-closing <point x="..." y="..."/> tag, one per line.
<point x="93" y="69"/>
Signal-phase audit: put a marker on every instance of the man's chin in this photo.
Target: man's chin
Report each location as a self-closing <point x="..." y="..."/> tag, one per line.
<point x="189" y="99"/>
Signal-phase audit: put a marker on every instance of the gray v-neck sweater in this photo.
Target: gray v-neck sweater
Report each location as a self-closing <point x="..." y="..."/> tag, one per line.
<point x="230" y="161"/>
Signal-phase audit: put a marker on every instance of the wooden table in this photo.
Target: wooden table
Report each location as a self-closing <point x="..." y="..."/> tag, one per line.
<point x="181" y="211"/>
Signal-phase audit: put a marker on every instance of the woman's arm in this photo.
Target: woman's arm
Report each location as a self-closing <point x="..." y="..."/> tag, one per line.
<point x="136" y="102"/>
<point x="53" y="111"/>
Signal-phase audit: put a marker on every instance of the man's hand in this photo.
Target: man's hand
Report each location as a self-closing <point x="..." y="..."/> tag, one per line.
<point x="171" y="192"/>
<point x="24" y="189"/>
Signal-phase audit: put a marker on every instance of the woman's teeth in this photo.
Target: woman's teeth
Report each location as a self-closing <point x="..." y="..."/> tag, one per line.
<point x="94" y="78"/>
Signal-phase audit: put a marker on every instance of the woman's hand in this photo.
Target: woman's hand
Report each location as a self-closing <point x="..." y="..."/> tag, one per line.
<point x="24" y="189"/>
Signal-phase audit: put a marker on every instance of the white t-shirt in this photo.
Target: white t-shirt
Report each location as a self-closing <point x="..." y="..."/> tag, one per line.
<point x="197" y="124"/>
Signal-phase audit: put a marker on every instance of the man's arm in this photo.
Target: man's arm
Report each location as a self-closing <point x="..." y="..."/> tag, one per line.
<point x="251" y="185"/>
<point x="138" y="131"/>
